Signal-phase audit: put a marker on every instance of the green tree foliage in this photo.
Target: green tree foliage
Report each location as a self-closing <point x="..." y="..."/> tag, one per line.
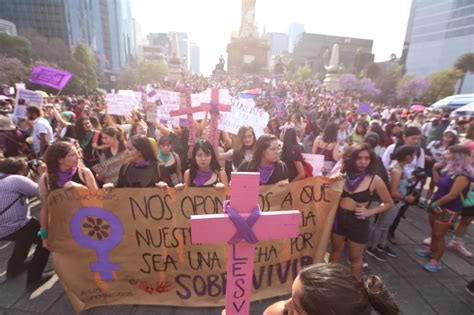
<point x="303" y="73"/>
<point x="465" y="64"/>
<point x="16" y="47"/>
<point x="388" y="82"/>
<point x="371" y="71"/>
<point x="54" y="51"/>
<point x="84" y="68"/>
<point x="151" y="71"/>
<point x="127" y="79"/>
<point x="12" y="70"/>
<point x="441" y="85"/>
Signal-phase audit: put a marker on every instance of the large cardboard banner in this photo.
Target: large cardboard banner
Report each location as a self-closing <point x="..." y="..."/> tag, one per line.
<point x="110" y="168"/>
<point x="133" y="246"/>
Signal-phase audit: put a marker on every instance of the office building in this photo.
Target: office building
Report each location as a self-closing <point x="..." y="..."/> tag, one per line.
<point x="278" y="43"/>
<point x="294" y="31"/>
<point x="195" y="58"/>
<point x="439" y="32"/>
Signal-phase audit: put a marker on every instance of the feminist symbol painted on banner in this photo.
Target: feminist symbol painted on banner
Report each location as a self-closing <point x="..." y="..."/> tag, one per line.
<point x="242" y="227"/>
<point x="100" y="230"/>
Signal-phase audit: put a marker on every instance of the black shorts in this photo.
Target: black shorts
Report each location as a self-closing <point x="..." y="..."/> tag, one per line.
<point x="467" y="212"/>
<point x="347" y="223"/>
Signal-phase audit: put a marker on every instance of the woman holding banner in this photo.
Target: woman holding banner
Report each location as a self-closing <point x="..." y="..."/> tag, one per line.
<point x="266" y="162"/>
<point x="64" y="171"/>
<point x="143" y="169"/>
<point x="351" y="223"/>
<point x="204" y="169"/>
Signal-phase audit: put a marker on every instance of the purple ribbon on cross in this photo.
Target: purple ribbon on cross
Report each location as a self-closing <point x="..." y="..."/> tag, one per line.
<point x="243" y="226"/>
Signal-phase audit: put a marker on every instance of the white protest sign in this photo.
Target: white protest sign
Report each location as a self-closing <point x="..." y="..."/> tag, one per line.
<point x="150" y="112"/>
<point x="244" y="112"/>
<point x="31" y="99"/>
<point x="316" y="161"/>
<point x="169" y="102"/>
<point x="20" y="86"/>
<point x="118" y="104"/>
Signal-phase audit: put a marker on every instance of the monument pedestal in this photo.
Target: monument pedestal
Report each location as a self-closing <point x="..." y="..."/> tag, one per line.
<point x="332" y="81"/>
<point x="175" y="72"/>
<point x="247" y="55"/>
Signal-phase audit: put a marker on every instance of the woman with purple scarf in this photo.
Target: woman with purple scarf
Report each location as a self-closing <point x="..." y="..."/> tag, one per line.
<point x="143" y="169"/>
<point x="351" y="223"/>
<point x="64" y="171"/>
<point x="265" y="161"/>
<point x="204" y="169"/>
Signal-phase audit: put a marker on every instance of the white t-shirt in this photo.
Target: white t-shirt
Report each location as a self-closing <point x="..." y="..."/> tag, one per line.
<point x="418" y="161"/>
<point x="41" y="126"/>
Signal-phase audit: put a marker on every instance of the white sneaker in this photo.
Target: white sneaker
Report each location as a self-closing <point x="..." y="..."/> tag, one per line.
<point x="427" y="241"/>
<point x="459" y="247"/>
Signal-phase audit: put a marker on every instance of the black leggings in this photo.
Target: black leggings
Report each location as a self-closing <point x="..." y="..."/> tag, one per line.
<point x="23" y="239"/>
<point x="396" y="221"/>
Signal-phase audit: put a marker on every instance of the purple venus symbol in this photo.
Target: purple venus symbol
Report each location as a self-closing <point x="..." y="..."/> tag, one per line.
<point x="104" y="232"/>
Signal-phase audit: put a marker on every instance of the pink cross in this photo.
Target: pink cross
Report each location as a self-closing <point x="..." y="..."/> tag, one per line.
<point x="188" y="109"/>
<point x="257" y="226"/>
<point x="214" y="107"/>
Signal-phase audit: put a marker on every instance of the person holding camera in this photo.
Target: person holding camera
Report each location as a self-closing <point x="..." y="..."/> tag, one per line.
<point x="378" y="247"/>
<point x="447" y="202"/>
<point x="17" y="225"/>
<point x="414" y="171"/>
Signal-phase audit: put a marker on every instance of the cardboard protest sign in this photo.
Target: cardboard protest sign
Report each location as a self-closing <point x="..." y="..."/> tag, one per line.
<point x="133" y="246"/>
<point x="55" y="78"/>
<point x="244" y="112"/>
<point x="109" y="168"/>
<point x="31" y="98"/>
<point x="316" y="161"/>
<point x="119" y="104"/>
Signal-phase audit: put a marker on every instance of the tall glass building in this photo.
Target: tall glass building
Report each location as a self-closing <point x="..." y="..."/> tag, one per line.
<point x="438" y="32"/>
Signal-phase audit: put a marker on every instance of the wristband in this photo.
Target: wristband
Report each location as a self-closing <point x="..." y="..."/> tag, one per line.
<point x="434" y="205"/>
<point x="43" y="234"/>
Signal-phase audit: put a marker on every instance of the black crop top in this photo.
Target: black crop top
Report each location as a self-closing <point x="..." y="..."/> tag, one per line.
<point x="361" y="196"/>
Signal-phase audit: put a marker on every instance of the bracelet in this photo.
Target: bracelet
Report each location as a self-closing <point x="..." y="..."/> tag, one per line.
<point x="434" y="205"/>
<point x="43" y="234"/>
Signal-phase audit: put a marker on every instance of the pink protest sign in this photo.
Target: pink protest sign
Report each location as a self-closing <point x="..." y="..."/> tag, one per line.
<point x="219" y="101"/>
<point x="242" y="226"/>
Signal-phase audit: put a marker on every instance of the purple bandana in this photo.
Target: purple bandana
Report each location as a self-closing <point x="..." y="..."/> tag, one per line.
<point x="265" y="173"/>
<point x="243" y="226"/>
<point x="202" y="177"/>
<point x="353" y="182"/>
<point x="141" y="164"/>
<point x="62" y="177"/>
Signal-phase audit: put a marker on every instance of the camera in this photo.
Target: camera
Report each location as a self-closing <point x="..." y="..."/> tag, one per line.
<point x="419" y="174"/>
<point x="34" y="164"/>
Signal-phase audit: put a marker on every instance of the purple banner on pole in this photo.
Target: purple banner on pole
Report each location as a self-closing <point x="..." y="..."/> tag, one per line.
<point x="55" y="78"/>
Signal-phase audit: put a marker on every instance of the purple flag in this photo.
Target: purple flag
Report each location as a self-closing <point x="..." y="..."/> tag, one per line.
<point x="55" y="78"/>
<point x="364" y="108"/>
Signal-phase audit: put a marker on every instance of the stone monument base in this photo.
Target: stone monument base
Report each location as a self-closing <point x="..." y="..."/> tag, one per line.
<point x="175" y="72"/>
<point x="331" y="81"/>
<point x="247" y="55"/>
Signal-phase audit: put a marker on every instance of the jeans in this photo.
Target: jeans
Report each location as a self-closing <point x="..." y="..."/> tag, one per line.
<point x="379" y="233"/>
<point x="23" y="239"/>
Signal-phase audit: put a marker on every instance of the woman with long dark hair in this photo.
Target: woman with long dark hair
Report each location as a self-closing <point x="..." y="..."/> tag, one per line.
<point x="204" y="169"/>
<point x="265" y="161"/>
<point x="89" y="139"/>
<point x="357" y="136"/>
<point x="351" y="224"/>
<point x="447" y="203"/>
<point x="143" y="169"/>
<point x="112" y="137"/>
<point x="328" y="145"/>
<point x="291" y="154"/>
<point x="63" y="171"/>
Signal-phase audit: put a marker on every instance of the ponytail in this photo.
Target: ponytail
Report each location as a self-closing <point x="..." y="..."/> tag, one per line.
<point x="379" y="297"/>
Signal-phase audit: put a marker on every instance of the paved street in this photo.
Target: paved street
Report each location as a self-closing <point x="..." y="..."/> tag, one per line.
<point x="416" y="291"/>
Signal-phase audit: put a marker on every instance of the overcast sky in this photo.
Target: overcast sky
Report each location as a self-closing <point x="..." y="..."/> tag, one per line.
<point x="209" y="23"/>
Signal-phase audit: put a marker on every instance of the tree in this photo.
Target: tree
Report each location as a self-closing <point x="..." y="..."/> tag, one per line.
<point x="411" y="88"/>
<point x="126" y="78"/>
<point x="371" y="71"/>
<point x="84" y="68"/>
<point x="388" y="82"/>
<point x="15" y="47"/>
<point x="441" y="85"/>
<point x="365" y="86"/>
<point x="348" y="82"/>
<point x="303" y="73"/>
<point x="465" y="64"/>
<point x="53" y="50"/>
<point x="12" y="70"/>
<point x="151" y="71"/>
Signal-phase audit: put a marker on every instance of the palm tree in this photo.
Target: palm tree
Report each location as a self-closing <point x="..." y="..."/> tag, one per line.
<point x="465" y="63"/>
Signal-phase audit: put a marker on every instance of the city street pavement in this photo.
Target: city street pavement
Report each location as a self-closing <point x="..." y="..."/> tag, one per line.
<point x="416" y="291"/>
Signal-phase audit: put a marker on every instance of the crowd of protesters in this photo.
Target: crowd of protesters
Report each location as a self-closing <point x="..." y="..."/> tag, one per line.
<point x="385" y="156"/>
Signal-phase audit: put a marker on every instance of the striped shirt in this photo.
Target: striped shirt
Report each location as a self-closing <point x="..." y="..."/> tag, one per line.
<point x="11" y="187"/>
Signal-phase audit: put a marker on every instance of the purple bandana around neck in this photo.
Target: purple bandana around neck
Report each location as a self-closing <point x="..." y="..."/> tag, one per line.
<point x="353" y="182"/>
<point x="62" y="177"/>
<point x="141" y="164"/>
<point x="202" y="177"/>
<point x="265" y="173"/>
